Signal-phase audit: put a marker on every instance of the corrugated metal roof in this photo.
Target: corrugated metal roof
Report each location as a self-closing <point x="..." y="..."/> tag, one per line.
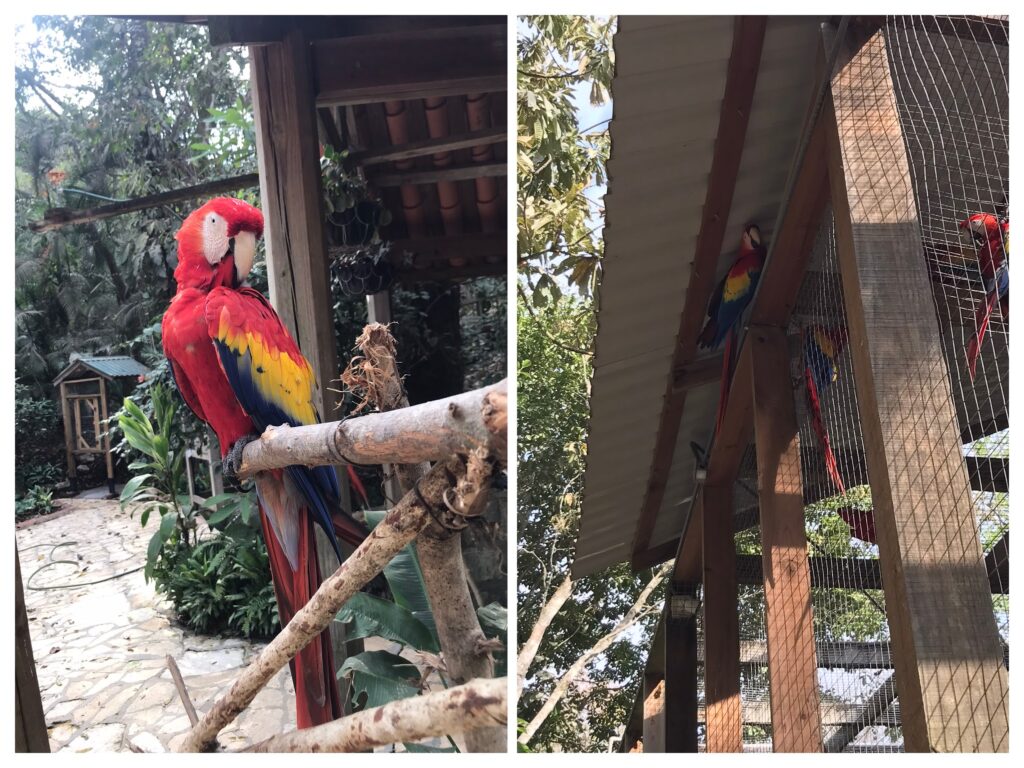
<point x="113" y="367"/>
<point x="667" y="93"/>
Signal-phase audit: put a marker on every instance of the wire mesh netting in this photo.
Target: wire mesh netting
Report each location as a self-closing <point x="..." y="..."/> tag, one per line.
<point x="855" y="679"/>
<point x="950" y="77"/>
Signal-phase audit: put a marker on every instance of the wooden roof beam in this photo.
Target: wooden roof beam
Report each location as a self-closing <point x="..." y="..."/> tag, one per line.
<point x="420" y="65"/>
<point x="429" y="147"/>
<point x="261" y="30"/>
<point x="434" y="175"/>
<point x="741" y="82"/>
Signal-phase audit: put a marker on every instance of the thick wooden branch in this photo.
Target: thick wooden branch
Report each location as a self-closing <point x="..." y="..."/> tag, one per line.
<point x="397" y="529"/>
<point x="478" y="704"/>
<point x="427" y="432"/>
<point x="55" y="218"/>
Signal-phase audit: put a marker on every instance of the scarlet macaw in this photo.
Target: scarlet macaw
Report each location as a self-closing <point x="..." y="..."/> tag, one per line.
<point x="992" y="237"/>
<point x="822" y="347"/>
<point x="240" y="371"/>
<point x="729" y="299"/>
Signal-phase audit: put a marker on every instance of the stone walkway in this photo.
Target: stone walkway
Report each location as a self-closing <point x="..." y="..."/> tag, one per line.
<point x="100" y="649"/>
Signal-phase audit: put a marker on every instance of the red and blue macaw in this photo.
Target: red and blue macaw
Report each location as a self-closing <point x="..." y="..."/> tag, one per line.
<point x="240" y="371"/>
<point x="822" y="346"/>
<point x="729" y="299"/>
<point x="991" y="235"/>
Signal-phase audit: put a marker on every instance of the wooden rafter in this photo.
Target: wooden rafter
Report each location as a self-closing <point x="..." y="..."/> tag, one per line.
<point x="741" y="81"/>
<point x="429" y="147"/>
<point x="434" y="175"/>
<point x="412" y="65"/>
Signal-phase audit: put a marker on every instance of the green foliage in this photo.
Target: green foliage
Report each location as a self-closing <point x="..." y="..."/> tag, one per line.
<point x="107" y="109"/>
<point x="558" y="159"/>
<point x="552" y="418"/>
<point x="161" y="489"/>
<point x="223" y="584"/>
<point x="220" y="584"/>
<point x="379" y="677"/>
<point x="38" y="501"/>
<point x="38" y="441"/>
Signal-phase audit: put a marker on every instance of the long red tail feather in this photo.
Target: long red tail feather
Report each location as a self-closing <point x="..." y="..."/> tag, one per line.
<point x="981" y="317"/>
<point x="317" y="700"/>
<point x="819" y="429"/>
<point x="356" y="483"/>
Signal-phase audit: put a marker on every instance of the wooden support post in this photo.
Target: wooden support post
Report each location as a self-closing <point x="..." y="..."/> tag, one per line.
<point x="952" y="683"/>
<point x="286" y="140"/>
<point x="69" y="438"/>
<point x="104" y="414"/>
<point x="680" y="705"/>
<point x="654" y="713"/>
<point x="29" y="722"/>
<point x="721" y="623"/>
<point x="792" y="668"/>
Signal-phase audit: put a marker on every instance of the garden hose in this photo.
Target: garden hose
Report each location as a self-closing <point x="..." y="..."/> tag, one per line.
<point x="28" y="581"/>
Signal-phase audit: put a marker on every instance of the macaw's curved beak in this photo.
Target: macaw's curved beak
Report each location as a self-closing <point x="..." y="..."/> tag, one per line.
<point x="244" y="248"/>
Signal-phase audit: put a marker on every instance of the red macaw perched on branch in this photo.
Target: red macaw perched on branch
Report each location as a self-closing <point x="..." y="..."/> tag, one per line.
<point x="992" y="237"/>
<point x="822" y="347"/>
<point x="240" y="371"/>
<point x="727" y="303"/>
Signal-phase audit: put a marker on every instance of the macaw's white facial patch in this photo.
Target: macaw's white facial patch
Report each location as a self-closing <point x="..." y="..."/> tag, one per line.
<point x="215" y="238"/>
<point x="245" y="253"/>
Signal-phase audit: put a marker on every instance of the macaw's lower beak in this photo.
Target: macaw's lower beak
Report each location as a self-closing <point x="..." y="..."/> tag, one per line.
<point x="244" y="246"/>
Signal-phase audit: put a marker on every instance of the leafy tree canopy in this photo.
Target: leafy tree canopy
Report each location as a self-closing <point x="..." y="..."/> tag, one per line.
<point x="558" y="160"/>
<point x="110" y="109"/>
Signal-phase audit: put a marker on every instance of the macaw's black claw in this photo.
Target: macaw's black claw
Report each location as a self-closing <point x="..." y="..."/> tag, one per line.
<point x="233" y="461"/>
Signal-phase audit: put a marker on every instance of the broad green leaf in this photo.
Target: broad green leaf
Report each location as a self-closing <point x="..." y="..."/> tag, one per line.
<point x="424" y="748"/>
<point x="381" y="676"/>
<point x="133" y="486"/>
<point x="493" y="619"/>
<point x="405" y="578"/>
<point x="372" y="617"/>
<point x="222" y="514"/>
<point x="167" y="523"/>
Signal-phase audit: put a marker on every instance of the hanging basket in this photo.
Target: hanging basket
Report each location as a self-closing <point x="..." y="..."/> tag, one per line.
<point x="363" y="273"/>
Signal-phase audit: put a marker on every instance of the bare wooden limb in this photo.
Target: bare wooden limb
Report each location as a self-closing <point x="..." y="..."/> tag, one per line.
<point x="397" y="529"/>
<point x="55" y="218"/>
<point x="463" y="709"/>
<point x="426" y="432"/>
<point x="547" y="614"/>
<point x="179" y="683"/>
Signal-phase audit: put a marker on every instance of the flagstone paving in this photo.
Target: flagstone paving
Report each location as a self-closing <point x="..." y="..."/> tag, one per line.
<point x="101" y="636"/>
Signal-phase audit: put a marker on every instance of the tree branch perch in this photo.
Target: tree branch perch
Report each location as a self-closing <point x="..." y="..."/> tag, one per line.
<point x="477" y="704"/>
<point x="427" y="432"/>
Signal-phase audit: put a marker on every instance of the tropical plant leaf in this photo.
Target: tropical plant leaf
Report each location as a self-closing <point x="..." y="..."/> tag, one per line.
<point x="380" y="677"/>
<point x="370" y="616"/>
<point x="426" y="748"/>
<point x="405" y="578"/>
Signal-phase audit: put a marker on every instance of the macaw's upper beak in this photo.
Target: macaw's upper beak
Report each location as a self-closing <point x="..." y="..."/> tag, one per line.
<point x="243" y="245"/>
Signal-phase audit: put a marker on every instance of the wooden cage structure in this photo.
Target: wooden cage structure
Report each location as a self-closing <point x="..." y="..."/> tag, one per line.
<point x="905" y="137"/>
<point x="84" y="387"/>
